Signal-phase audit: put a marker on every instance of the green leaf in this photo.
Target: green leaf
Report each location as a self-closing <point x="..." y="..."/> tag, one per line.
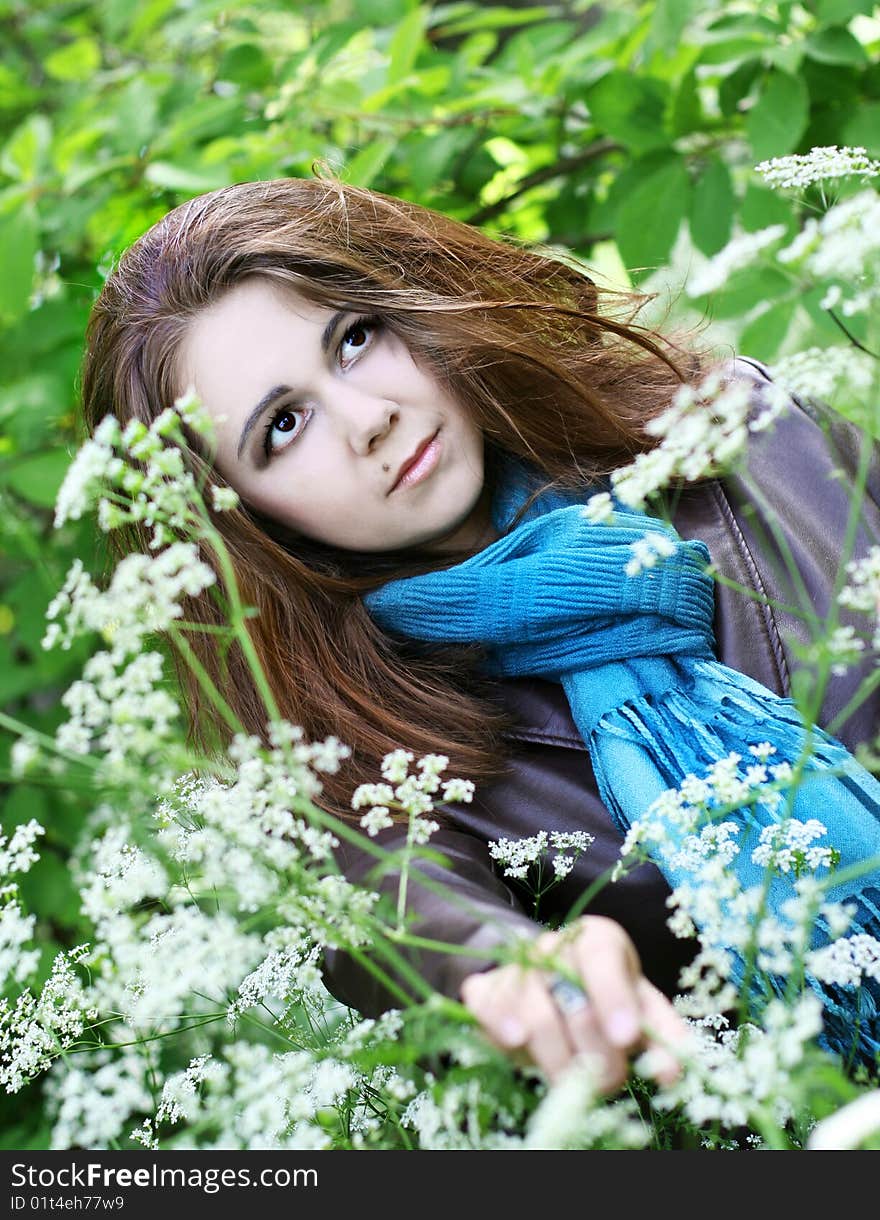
<point x="745" y="288"/>
<point x="777" y="120"/>
<point x="37" y="479"/>
<point x="863" y="129"/>
<point x="178" y="178"/>
<point x="732" y="50"/>
<point x="736" y="87"/>
<point x="839" y="12"/>
<point x="404" y="46"/>
<point x="764" y="335"/>
<point x="27" y="148"/>
<point x="648" y="220"/>
<point x="365" y="165"/>
<point x="247" y="65"/>
<point x="762" y="207"/>
<point x="712" y="207"/>
<point x="687" y="111"/>
<point x="836" y="45"/>
<point x="630" y="109"/>
<point x="668" y="21"/>
<point x="18" y="249"/>
<point x="78" y="61"/>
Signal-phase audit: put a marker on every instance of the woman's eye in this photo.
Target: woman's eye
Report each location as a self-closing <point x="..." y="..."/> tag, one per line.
<point x="358" y="336"/>
<point x="282" y="430"/>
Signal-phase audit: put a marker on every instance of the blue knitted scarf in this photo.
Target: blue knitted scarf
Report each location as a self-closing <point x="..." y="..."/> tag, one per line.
<point x="635" y="655"/>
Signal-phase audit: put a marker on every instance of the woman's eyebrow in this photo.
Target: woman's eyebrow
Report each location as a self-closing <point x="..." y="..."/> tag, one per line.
<point x="278" y="391"/>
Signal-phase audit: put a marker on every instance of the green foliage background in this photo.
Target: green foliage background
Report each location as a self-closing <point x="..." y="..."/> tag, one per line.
<point x="623" y="132"/>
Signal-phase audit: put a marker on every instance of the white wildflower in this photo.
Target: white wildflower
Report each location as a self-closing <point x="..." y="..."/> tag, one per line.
<point x="702" y="431"/>
<point x="143" y="597"/>
<point x="372" y="794"/>
<point x="378" y="818"/>
<point x="849" y="1126"/>
<point x="786" y="847"/>
<point x="395" y="766"/>
<point x="573" y="1115"/>
<point x="285" y="973"/>
<point x="820" y="164"/>
<point x="23" y="756"/>
<point x="458" y="790"/>
<point x="599" y="507"/>
<point x="224" y="498"/>
<point x="92" y="466"/>
<point x="647" y="550"/>
<point x="847" y="961"/>
<point x="93" y="1095"/>
<point x="17" y="853"/>
<point x="826" y="373"/>
<point x="740" y="251"/>
<point x="517" y="854"/>
<point x="843" y="249"/>
<point x="862" y="592"/>
<point x="40" y="1027"/>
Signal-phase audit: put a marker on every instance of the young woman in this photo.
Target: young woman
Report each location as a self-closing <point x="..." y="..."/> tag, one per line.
<point x="411" y="413"/>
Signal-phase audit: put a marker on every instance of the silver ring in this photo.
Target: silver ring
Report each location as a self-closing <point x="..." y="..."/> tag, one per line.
<point x="567" y="996"/>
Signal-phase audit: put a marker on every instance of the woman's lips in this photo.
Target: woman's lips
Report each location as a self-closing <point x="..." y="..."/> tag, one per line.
<point x="422" y="466"/>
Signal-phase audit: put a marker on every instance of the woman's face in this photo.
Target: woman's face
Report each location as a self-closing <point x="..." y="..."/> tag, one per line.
<point x="317" y="415"/>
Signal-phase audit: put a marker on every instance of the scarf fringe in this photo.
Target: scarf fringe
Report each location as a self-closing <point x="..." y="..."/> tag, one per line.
<point x="716" y="712"/>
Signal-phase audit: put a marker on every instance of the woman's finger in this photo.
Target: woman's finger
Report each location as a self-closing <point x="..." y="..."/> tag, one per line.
<point x="516" y="1011"/>
<point x="669" y="1036"/>
<point x="588" y="1039"/>
<point x="609" y="966"/>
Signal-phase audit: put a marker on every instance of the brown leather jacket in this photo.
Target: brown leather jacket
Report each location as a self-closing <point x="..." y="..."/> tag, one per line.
<point x="776" y="531"/>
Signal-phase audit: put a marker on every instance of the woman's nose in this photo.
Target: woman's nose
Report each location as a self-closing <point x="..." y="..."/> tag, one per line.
<point x="363" y="419"/>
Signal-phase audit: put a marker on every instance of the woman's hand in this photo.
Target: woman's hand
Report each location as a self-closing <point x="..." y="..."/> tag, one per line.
<point x="623" y="1014"/>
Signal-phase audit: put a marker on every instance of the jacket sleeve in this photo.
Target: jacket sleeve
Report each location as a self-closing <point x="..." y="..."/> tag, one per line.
<point x="476" y="911"/>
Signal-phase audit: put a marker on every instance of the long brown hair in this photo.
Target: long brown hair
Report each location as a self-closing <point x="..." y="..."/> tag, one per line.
<point x="514" y="334"/>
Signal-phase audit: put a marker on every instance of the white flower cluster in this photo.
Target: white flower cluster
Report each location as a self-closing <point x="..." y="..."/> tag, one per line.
<point x="24" y="756"/>
<point x="119" y="874"/>
<point x="863" y="590"/>
<point x="286" y="973"/>
<point x="17" y="853"/>
<point x="450" y="1118"/>
<point x="843" y="248"/>
<point x="243" y="837"/>
<point x="17" y="963"/>
<point x="687" y="810"/>
<point x="684" y="829"/>
<point x="211" y="954"/>
<point x="39" y="1027"/>
<point x="120" y="714"/>
<point x="647" y="550"/>
<point x="737" y="1076"/>
<point x="818" y="165"/>
<point x="826" y="373"/>
<point x="701" y="433"/>
<point x="518" y="855"/>
<point x="143" y="598"/>
<point x="846" y="961"/>
<point x="412" y="794"/>
<point x="252" y="1098"/>
<point x="93" y="1094"/>
<point x="741" y="251"/>
<point x="155" y="489"/>
<point x="574" y="1115"/>
<point x="179" y="1092"/>
<point x="786" y="847"/>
